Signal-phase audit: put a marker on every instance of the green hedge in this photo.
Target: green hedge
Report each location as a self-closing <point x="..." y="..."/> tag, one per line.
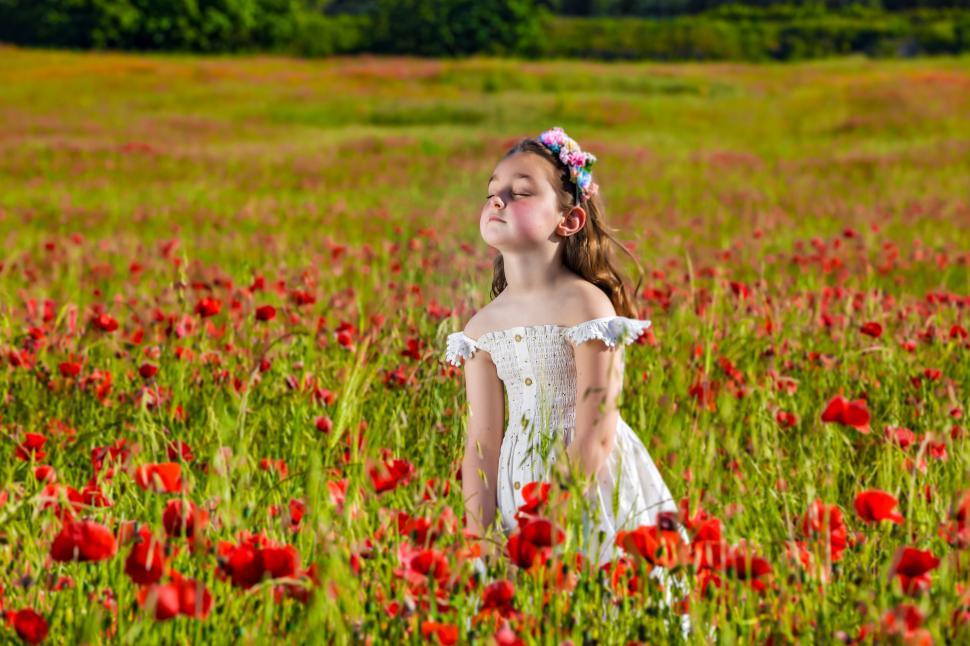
<point x="319" y="35"/>
<point x="745" y="37"/>
<point x="498" y="27"/>
<point x="187" y="25"/>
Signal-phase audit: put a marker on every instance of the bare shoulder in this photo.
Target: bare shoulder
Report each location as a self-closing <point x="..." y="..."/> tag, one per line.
<point x="485" y="319"/>
<point x="586" y="301"/>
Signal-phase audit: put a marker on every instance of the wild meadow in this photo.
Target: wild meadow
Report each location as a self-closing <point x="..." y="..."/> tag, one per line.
<point x="225" y="288"/>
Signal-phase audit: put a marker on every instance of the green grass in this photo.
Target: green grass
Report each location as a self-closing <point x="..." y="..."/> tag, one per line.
<point x="359" y="180"/>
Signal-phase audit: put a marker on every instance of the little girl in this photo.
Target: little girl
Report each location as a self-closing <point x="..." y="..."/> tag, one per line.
<point x="554" y="337"/>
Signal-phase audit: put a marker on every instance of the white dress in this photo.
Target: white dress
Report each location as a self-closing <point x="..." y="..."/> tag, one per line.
<point x="536" y="365"/>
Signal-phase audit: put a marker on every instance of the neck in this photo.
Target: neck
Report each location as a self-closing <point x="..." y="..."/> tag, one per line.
<point x="532" y="275"/>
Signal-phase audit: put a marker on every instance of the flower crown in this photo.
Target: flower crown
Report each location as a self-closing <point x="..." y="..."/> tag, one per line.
<point x="578" y="162"/>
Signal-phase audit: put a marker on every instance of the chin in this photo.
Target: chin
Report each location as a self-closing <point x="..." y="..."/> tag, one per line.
<point x="491" y="241"/>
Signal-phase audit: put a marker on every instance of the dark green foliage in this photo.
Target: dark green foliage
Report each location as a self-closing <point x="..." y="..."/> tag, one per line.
<point x="608" y="29"/>
<point x="455" y="27"/>
<point x="191" y="25"/>
<point x="745" y="33"/>
<point x="666" y="8"/>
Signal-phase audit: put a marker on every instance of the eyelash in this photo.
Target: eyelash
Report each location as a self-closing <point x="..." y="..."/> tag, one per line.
<point x="522" y="194"/>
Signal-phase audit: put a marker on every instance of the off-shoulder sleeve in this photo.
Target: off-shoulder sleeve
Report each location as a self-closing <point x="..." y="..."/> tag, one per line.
<point x="460" y="347"/>
<point x="610" y="329"/>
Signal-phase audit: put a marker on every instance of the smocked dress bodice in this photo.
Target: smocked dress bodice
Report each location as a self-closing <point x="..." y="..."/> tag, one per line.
<point x="536" y="364"/>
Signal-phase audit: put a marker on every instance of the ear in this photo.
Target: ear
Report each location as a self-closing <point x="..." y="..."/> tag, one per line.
<point x="572" y="221"/>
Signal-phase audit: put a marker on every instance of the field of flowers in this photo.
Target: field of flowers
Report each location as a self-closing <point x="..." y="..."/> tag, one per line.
<point x="224" y="294"/>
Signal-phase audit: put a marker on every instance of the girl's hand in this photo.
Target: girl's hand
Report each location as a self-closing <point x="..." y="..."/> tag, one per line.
<point x="487" y="560"/>
<point x="491" y="550"/>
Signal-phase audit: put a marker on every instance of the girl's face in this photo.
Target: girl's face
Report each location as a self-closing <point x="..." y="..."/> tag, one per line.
<point x="521" y="210"/>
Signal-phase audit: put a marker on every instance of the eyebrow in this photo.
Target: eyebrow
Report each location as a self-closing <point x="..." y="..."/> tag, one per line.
<point x="516" y="176"/>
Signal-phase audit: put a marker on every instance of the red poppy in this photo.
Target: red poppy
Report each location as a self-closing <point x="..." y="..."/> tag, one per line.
<point x="281" y="562"/>
<point x="265" y="313"/>
<point x="533" y="542"/>
<point x="147" y="370"/>
<point x="118" y="451"/>
<point x="428" y="563"/>
<point x="622" y="573"/>
<point x="797" y="553"/>
<point x="92" y="495"/>
<point x="183" y="518"/>
<point x="419" y="566"/>
<point x="744" y="564"/>
<point x="30" y="626"/>
<point x="497" y="598"/>
<point x="786" y="419"/>
<point x="535" y="495"/>
<point x="541" y="532"/>
<point x="32" y="446"/>
<point x="302" y="297"/>
<point x="323" y="424"/>
<point x="523" y="553"/>
<point x="902" y="624"/>
<point x="900" y="435"/>
<point x="850" y="413"/>
<point x="83" y="540"/>
<point x="707" y="546"/>
<point x="208" y="306"/>
<point x="297" y="511"/>
<point x="874" y="505"/>
<point x="250" y="561"/>
<point x="818" y="519"/>
<point x="444" y="633"/>
<point x="54" y="495"/>
<point x="913" y="568"/>
<point x="389" y="473"/>
<point x="278" y="465"/>
<point x="179" y="450"/>
<point x="161" y="600"/>
<point x="105" y="322"/>
<point x="706" y="577"/>
<point x="163" y="477"/>
<point x="415" y="526"/>
<point x="956" y="530"/>
<point x="244" y="565"/>
<point x="338" y="492"/>
<point x="195" y="600"/>
<point x="146" y="560"/>
<point x="658" y="547"/>
<point x="936" y="448"/>
<point x="69" y="368"/>
<point x="872" y="329"/>
<point x="45" y="473"/>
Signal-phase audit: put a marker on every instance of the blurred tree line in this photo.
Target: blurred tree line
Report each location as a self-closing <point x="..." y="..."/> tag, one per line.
<point x="628" y="29"/>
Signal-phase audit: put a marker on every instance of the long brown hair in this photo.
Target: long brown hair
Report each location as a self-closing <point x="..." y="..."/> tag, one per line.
<point x="588" y="251"/>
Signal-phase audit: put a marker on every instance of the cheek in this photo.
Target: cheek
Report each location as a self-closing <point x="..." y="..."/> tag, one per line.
<point x="529" y="221"/>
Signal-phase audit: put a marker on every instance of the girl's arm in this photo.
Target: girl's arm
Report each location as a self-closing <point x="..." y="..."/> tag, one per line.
<point x="486" y="428"/>
<point x="599" y="380"/>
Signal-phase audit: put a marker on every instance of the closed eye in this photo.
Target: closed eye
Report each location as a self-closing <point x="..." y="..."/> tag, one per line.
<point x="488" y="197"/>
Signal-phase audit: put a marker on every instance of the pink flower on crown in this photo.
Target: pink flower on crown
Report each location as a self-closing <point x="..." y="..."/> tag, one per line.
<point x="553" y="137"/>
<point x="576" y="159"/>
<point x="572" y="156"/>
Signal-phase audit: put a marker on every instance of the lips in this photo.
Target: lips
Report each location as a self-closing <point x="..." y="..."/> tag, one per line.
<point x="496" y="218"/>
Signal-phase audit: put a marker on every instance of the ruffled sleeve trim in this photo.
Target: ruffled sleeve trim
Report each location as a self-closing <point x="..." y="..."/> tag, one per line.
<point x="612" y="330"/>
<point x="460" y="347"/>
